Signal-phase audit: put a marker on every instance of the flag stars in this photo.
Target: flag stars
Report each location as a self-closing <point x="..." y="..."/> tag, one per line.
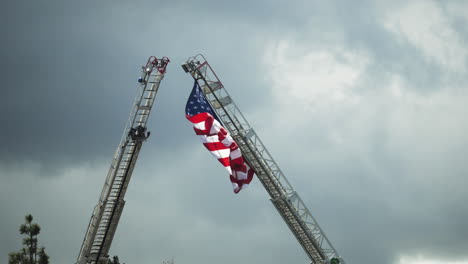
<point x="197" y="103"/>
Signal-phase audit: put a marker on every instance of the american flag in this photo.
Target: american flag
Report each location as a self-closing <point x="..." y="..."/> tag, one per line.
<point x="217" y="139"/>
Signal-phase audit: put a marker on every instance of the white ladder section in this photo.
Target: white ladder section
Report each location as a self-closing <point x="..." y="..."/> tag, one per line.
<point x="288" y="203"/>
<point x="106" y="214"/>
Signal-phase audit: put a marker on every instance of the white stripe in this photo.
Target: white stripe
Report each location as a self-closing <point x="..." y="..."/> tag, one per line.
<point x="236" y="154"/>
<point x="228" y="140"/>
<point x="200" y="125"/>
<point x="215" y="127"/>
<point x="209" y="139"/>
<point x="222" y="153"/>
<point x="240" y="175"/>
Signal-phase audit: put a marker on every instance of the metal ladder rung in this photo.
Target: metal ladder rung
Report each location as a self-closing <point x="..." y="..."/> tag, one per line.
<point x="96" y="246"/>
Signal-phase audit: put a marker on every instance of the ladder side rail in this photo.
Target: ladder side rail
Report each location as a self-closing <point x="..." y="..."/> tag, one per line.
<point x="138" y="119"/>
<point x="295" y="199"/>
<point x="99" y="209"/>
<point x="310" y="221"/>
<point x="111" y="172"/>
<point x="316" y="252"/>
<point x="274" y="188"/>
<point x="228" y="119"/>
<point x="272" y="183"/>
<point x="202" y="72"/>
<point x="147" y="80"/>
<point x="155" y="72"/>
<point x="111" y="208"/>
<point x="89" y="233"/>
<point x="118" y="206"/>
<point x="228" y="114"/>
<point x="120" y="202"/>
<point x="241" y="125"/>
<point x="111" y="199"/>
<point x="237" y="126"/>
<point x="299" y="231"/>
<point x="129" y="124"/>
<point x="97" y="213"/>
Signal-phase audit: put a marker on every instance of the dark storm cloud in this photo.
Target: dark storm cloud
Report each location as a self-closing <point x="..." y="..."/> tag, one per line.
<point x="62" y="98"/>
<point x="69" y="70"/>
<point x="69" y="74"/>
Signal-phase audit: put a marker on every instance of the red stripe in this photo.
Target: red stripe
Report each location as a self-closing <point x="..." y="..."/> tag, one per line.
<point x="240" y="183"/>
<point x="237" y="164"/>
<point x="209" y="123"/>
<point x="197" y="118"/>
<point x="222" y="134"/>
<point x="224" y="161"/>
<point x="200" y="118"/>
<point x="200" y="132"/>
<point x="238" y="161"/>
<point x="213" y="146"/>
<point x="233" y="146"/>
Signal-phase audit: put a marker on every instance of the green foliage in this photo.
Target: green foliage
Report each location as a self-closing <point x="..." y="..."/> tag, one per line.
<point x="17" y="257"/>
<point x="30" y="253"/>
<point x="43" y="257"/>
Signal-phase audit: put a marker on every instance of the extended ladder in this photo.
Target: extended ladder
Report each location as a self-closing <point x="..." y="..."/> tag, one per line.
<point x="106" y="214"/>
<point x="288" y="203"/>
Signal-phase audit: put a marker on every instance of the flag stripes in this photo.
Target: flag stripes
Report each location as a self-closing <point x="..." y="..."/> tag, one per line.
<point x="217" y="140"/>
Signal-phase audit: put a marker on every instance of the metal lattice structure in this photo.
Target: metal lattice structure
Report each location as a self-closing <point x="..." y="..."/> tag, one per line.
<point x="106" y="214"/>
<point x="288" y="203"/>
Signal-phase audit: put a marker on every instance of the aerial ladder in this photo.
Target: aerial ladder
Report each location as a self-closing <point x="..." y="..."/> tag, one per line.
<point x="106" y="214"/>
<point x="285" y="199"/>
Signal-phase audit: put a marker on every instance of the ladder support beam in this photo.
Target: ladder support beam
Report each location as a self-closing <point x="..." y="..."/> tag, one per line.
<point x="106" y="215"/>
<point x="283" y="196"/>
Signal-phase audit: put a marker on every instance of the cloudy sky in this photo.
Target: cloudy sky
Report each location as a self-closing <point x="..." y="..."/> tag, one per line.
<point x="362" y="104"/>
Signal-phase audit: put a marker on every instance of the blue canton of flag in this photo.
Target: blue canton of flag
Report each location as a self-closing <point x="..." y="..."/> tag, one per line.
<point x="197" y="103"/>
